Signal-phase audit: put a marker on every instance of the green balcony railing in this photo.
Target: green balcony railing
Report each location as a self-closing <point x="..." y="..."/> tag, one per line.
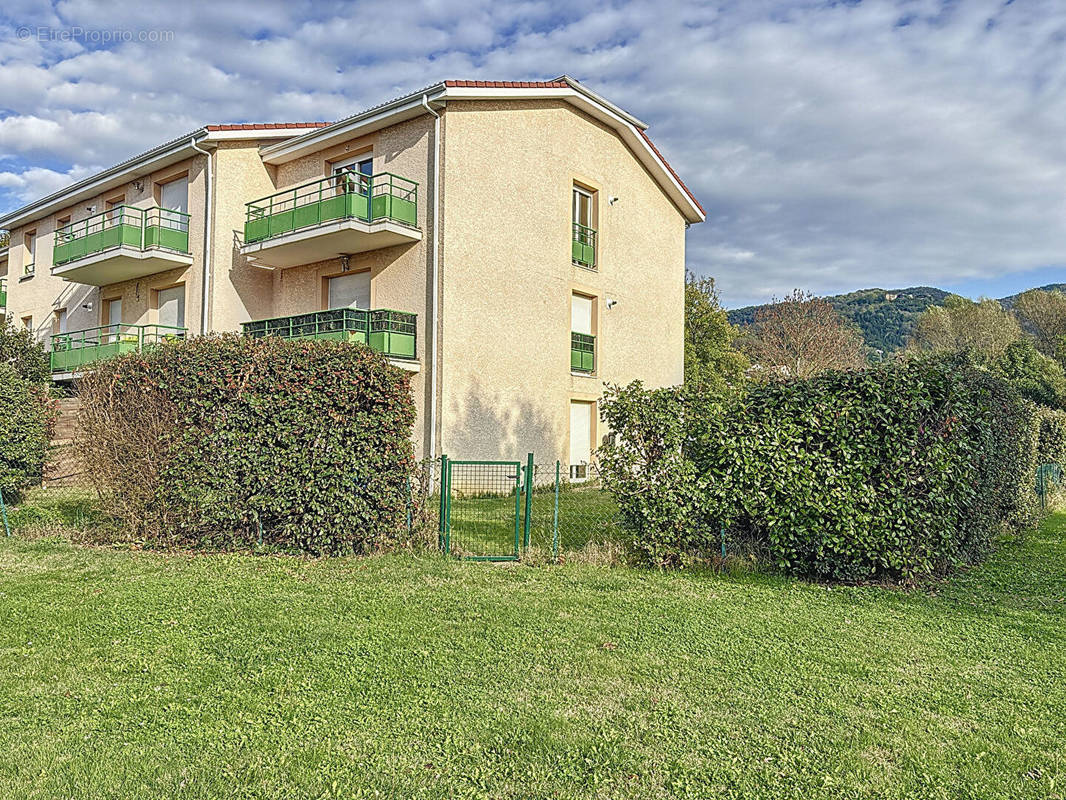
<point x="392" y="333"/>
<point x="583" y="248"/>
<point x="141" y="229"/>
<point x="347" y="195"/>
<point x="75" y="350"/>
<point x="582" y="352"/>
<point x="3" y="293"/>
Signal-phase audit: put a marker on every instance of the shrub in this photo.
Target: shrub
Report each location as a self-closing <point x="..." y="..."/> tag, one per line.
<point x="1051" y="440"/>
<point x="1038" y="377"/>
<point x="896" y="471"/>
<point x="216" y="439"/>
<point x="20" y="351"/>
<point x="26" y="418"/>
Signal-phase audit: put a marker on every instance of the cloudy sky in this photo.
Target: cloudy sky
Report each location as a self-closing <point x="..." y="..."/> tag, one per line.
<point x="835" y="145"/>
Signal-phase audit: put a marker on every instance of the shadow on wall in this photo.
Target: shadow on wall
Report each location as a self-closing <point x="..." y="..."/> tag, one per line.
<point x="498" y="427"/>
<point x="254" y="285"/>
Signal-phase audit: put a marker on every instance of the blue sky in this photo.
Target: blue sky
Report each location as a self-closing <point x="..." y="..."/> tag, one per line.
<point x="835" y="145"/>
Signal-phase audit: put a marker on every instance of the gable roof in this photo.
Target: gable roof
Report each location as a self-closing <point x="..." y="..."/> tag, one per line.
<point x="408" y="106"/>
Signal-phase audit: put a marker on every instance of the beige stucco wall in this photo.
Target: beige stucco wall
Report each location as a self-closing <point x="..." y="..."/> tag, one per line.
<point x="398" y="274"/>
<point x="42" y="294"/>
<point x="239" y="290"/>
<point x="507" y="277"/>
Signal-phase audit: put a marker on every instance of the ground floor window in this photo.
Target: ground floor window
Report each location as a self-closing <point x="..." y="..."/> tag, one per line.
<point x="350" y="291"/>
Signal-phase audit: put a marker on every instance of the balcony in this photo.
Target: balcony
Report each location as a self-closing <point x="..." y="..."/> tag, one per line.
<point x="583" y="247"/>
<point x="3" y="293"/>
<point x="75" y="350"/>
<point x="328" y="218"/>
<point x="120" y="244"/>
<point x="582" y="352"/>
<point x="391" y="333"/>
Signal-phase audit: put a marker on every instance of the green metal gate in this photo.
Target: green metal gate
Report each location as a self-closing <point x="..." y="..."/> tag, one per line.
<point x="485" y="508"/>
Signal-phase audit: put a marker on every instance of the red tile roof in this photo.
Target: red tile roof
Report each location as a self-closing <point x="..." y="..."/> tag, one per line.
<point x="507" y="84"/>
<point x="265" y="126"/>
<point x="677" y="177"/>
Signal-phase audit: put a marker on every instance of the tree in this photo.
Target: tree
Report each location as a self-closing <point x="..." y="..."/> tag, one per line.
<point x="801" y="336"/>
<point x="984" y="329"/>
<point x="1043" y="314"/>
<point x="711" y="360"/>
<point x="1035" y="375"/>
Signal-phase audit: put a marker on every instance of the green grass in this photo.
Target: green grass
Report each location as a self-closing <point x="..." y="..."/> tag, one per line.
<point x="133" y="674"/>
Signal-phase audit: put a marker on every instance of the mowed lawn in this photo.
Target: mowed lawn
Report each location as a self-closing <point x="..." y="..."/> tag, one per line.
<point x="131" y="674"/>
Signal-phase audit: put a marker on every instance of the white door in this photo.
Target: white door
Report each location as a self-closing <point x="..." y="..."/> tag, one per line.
<point x="172" y="307"/>
<point x="350" y="291"/>
<point x="581" y="314"/>
<point x="175" y="197"/>
<point x="580" y="439"/>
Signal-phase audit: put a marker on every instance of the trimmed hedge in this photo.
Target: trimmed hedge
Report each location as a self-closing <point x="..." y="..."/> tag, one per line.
<point x="893" y="472"/>
<point x="26" y="418"/>
<point x="218" y="440"/>
<point x="1051" y="441"/>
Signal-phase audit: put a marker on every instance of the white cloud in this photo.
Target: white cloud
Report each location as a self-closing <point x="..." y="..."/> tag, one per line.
<point x="834" y="145"/>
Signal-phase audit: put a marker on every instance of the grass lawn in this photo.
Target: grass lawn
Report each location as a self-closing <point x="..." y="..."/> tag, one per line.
<point x="132" y="674"/>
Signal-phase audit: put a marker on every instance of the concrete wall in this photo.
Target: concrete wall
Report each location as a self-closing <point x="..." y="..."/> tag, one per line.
<point x="507" y="279"/>
<point x="42" y="294"/>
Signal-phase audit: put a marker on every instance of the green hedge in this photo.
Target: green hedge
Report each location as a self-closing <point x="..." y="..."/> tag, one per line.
<point x="222" y="439"/>
<point x="893" y="472"/>
<point x="1051" y="442"/>
<point x="26" y="418"/>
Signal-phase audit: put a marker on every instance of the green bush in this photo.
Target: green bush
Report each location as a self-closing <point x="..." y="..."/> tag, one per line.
<point x="1038" y="377"/>
<point x="26" y="417"/>
<point x="217" y="440"/>
<point x="20" y="351"/>
<point x="1051" y="441"/>
<point x="893" y="472"/>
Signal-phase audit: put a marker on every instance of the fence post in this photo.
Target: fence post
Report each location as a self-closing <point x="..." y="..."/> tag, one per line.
<point x="723" y="541"/>
<point x="555" y="517"/>
<point x="442" y="517"/>
<point x="410" y="504"/>
<point x="529" y="496"/>
<point x="3" y="511"/>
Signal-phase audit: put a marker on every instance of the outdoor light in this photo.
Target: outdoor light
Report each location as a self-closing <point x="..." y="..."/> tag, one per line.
<point x="612" y="200"/>
<point x="611" y="303"/>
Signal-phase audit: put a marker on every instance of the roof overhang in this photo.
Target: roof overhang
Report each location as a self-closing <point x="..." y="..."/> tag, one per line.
<point x="628" y="127"/>
<point x="151" y="161"/>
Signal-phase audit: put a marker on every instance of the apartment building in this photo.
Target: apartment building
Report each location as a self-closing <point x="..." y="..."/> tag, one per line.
<point x="513" y="245"/>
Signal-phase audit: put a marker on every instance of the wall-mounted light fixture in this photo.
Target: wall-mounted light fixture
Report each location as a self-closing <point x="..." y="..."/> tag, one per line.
<point x="345" y="261"/>
<point x="611" y="303"/>
<point x="611" y="200"/>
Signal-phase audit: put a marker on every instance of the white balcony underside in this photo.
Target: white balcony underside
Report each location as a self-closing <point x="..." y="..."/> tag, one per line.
<point x="120" y="264"/>
<point x="328" y="241"/>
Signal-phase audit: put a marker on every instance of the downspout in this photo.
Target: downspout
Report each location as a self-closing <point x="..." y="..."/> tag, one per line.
<point x="435" y="294"/>
<point x="205" y="280"/>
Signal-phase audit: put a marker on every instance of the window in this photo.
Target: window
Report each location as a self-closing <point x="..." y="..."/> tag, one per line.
<point x="349" y="291"/>
<point x="581" y="431"/>
<point x="353" y="175"/>
<point x="170" y="306"/>
<point x="63" y="232"/>
<point x="30" y="242"/>
<point x="27" y="323"/>
<point x="582" y="340"/>
<point x="112" y="312"/>
<point x="59" y="324"/>
<point x="174" y="196"/>
<point x="114" y="208"/>
<point x="583" y="246"/>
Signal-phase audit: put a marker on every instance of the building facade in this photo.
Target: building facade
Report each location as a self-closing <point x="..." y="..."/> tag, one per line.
<point x="514" y="246"/>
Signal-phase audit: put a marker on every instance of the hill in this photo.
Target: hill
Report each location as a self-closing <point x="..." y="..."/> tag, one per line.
<point x="886" y="317"/>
